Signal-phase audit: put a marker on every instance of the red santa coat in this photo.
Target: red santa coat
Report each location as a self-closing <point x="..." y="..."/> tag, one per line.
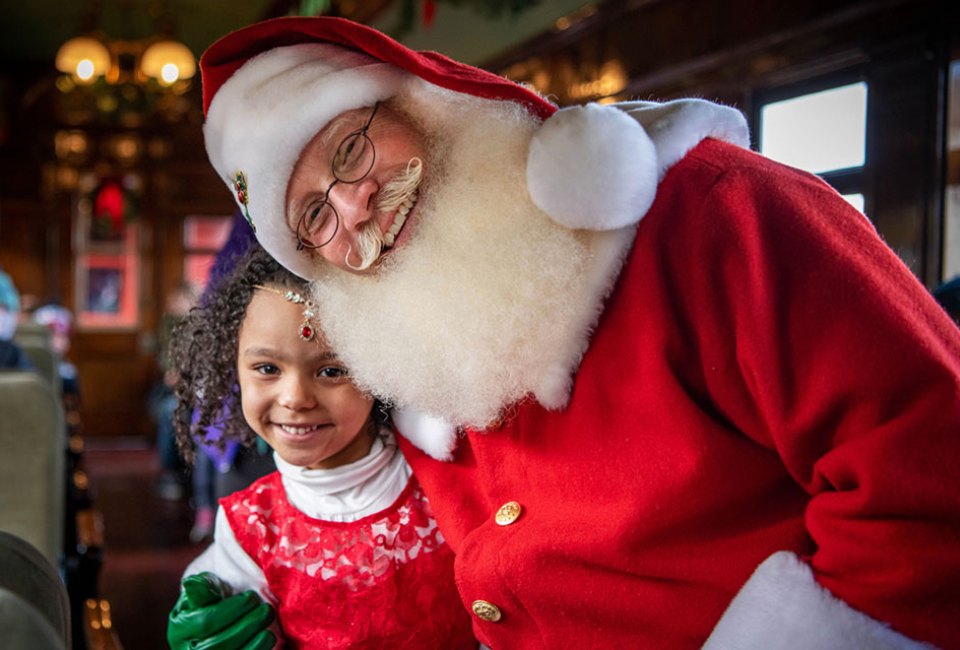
<point x="766" y="376"/>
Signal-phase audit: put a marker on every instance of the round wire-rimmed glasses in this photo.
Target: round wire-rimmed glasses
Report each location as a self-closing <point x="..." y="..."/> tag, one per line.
<point x="352" y="162"/>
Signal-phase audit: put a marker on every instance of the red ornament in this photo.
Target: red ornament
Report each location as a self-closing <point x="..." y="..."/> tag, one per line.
<point x="429" y="11"/>
<point x="109" y="203"/>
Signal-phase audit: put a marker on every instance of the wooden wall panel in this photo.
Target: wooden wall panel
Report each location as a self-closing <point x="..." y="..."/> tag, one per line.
<point x="116" y="368"/>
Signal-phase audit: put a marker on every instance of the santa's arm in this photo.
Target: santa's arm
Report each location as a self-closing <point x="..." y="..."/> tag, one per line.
<point x="821" y="345"/>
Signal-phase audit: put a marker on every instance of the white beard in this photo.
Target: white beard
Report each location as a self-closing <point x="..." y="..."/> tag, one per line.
<point x="485" y="304"/>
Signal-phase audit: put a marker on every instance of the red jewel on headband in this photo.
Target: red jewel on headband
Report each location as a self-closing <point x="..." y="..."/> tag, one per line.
<point x="306" y="332"/>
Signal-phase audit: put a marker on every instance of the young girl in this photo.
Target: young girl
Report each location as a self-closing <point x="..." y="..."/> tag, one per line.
<point x="340" y="539"/>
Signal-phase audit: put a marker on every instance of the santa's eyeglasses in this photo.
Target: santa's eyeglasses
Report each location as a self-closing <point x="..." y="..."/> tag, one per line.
<point x="352" y="162"/>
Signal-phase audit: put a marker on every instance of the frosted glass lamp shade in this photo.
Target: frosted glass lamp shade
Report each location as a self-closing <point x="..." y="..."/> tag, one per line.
<point x="168" y="61"/>
<point x="83" y="57"/>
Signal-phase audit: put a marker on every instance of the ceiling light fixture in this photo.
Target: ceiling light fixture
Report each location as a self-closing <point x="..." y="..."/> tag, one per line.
<point x="124" y="79"/>
<point x="88" y="57"/>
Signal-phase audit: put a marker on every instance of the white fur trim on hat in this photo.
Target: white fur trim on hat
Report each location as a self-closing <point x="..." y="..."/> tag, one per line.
<point x="265" y="114"/>
<point x="678" y="126"/>
<point x="782" y="607"/>
<point x="597" y="167"/>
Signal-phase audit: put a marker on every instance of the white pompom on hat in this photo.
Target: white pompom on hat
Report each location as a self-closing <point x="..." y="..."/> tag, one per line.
<point x="271" y="87"/>
<point x="592" y="167"/>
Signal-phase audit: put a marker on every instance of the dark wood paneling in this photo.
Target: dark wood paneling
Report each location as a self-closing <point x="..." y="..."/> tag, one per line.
<point x="116" y="369"/>
<point x="115" y="378"/>
<point x="904" y="79"/>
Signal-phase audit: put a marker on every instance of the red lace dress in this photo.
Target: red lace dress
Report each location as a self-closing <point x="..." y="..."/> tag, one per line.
<point x="384" y="581"/>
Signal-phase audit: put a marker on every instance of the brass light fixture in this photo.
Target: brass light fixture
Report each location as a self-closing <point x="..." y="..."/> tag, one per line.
<point x="89" y="57"/>
<point x="124" y="80"/>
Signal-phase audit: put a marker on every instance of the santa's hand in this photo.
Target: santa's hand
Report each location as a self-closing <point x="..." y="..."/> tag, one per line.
<point x="206" y="618"/>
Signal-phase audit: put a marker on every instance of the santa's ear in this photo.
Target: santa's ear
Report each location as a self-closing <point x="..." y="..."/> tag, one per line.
<point x="592" y="167"/>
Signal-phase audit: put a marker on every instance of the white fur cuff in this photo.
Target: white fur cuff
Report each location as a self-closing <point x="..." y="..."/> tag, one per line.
<point x="433" y="436"/>
<point x="782" y="607"/>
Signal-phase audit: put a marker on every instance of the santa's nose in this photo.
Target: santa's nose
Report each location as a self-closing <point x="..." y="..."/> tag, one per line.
<point x="355" y="203"/>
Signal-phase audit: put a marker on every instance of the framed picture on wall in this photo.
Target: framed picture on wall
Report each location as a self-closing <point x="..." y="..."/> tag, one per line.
<point x="106" y="247"/>
<point x="104" y="289"/>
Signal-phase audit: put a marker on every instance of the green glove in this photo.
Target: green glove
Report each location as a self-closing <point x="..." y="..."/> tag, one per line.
<point x="206" y="618"/>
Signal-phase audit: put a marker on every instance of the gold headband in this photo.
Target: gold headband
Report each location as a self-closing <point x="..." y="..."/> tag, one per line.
<point x="307" y="330"/>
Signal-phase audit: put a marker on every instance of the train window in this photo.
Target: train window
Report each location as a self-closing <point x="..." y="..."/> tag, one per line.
<point x="824" y="132"/>
<point x="820" y="132"/>
<point x="856" y="200"/>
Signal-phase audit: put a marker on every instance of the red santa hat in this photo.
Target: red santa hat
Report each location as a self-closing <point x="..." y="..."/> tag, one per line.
<point x="269" y="88"/>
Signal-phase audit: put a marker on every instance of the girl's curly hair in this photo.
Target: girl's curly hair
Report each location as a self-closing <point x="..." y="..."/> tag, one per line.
<point x="204" y="354"/>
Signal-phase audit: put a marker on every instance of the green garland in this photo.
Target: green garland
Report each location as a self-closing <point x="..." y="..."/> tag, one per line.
<point x="407" y="17"/>
<point x="490" y="9"/>
<point x="102" y="225"/>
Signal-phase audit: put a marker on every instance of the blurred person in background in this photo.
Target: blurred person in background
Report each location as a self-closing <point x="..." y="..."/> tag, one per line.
<point x="12" y="356"/>
<point x="172" y="481"/>
<point x="59" y="320"/>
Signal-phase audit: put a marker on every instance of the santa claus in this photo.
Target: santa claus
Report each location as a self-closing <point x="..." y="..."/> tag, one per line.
<point x="661" y="392"/>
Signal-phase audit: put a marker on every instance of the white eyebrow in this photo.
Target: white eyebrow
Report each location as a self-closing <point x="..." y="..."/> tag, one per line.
<point x="338" y="127"/>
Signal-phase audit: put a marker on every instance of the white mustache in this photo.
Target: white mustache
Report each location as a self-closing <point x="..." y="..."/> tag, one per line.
<point x="391" y="196"/>
<point x="401" y="187"/>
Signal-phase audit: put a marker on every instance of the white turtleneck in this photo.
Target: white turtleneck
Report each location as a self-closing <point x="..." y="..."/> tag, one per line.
<point x="342" y="494"/>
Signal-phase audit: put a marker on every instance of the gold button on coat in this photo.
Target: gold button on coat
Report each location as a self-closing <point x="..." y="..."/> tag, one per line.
<point x="486" y="611"/>
<point x="508" y="513"/>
